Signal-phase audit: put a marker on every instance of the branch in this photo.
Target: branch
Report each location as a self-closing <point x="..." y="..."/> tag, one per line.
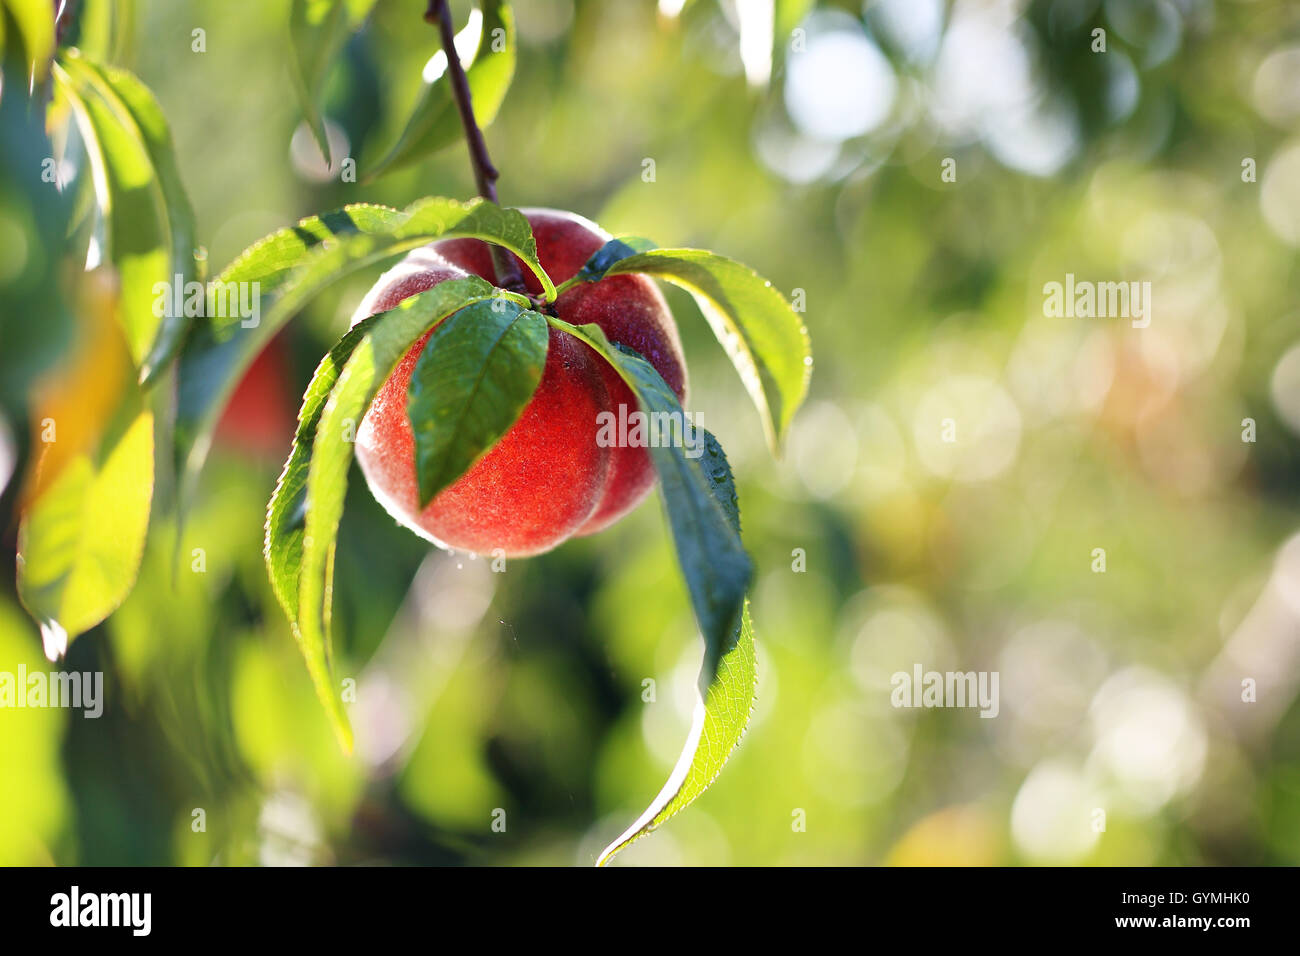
<point x="508" y="274"/>
<point x="64" y="13"/>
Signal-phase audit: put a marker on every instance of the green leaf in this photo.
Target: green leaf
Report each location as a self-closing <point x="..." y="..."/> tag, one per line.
<point x="80" y="541"/>
<point x="719" y="721"/>
<point x="151" y="232"/>
<point x="104" y="30"/>
<point x="155" y="135"/>
<point x="435" y="123"/>
<point x="287" y="268"/>
<point x="473" y="379"/>
<point x="607" y="255"/>
<point x="317" y="31"/>
<point x="700" y="498"/>
<point x="762" y="334"/>
<point x="706" y="530"/>
<point x="35" y="22"/>
<point x="304" y="511"/>
<point x="287" y="509"/>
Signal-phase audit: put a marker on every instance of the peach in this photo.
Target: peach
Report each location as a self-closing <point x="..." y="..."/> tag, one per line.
<point x="548" y="478"/>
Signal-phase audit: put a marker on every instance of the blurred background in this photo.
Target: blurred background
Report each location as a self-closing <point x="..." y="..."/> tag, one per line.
<point x="811" y="141"/>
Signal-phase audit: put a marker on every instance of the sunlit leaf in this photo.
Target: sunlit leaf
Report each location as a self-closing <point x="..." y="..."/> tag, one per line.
<point x="34" y="20"/>
<point x="287" y="509"/>
<point x="719" y="720"/>
<point x="304" y="512"/>
<point x="81" y="539"/>
<point x="151" y="126"/>
<point x="764" y="337"/>
<point x="104" y="29"/>
<point x="434" y="122"/>
<point x="85" y="506"/>
<point x="150" y="223"/>
<point x="317" y="32"/>
<point x="473" y="379"/>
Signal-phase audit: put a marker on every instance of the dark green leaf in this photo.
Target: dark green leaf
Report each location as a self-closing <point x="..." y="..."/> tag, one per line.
<point x="303" y="514"/>
<point x="698" y="496"/>
<point x="474" y="377"/>
<point x="435" y="123"/>
<point x="616" y="250"/>
<point x="290" y="266"/>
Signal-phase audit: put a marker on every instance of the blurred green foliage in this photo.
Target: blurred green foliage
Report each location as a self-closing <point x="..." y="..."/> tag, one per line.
<point x="524" y="692"/>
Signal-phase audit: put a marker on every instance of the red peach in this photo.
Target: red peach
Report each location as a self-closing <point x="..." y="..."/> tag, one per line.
<point x="547" y="479"/>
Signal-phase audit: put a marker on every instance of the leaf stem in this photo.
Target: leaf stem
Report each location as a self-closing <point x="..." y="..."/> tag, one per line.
<point x="508" y="274"/>
<point x="568" y="284"/>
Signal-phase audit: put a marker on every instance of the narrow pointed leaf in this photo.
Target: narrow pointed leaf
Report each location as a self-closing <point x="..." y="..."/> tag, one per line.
<point x="286" y="513"/>
<point x="709" y="549"/>
<point x="105" y="29"/>
<point x="136" y="105"/>
<point x="473" y="379"/>
<point x="435" y="123"/>
<point x="717" y="724"/>
<point x="700" y="497"/>
<point x="317" y="31"/>
<point x="764" y="337"/>
<point x="150" y="225"/>
<point x="304" y="512"/>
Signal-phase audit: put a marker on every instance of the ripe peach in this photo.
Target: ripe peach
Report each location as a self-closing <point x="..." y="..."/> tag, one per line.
<point x="547" y="479"/>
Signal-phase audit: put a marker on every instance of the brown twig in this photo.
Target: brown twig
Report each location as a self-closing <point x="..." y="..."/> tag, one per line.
<point x="64" y="13"/>
<point x="504" y="264"/>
